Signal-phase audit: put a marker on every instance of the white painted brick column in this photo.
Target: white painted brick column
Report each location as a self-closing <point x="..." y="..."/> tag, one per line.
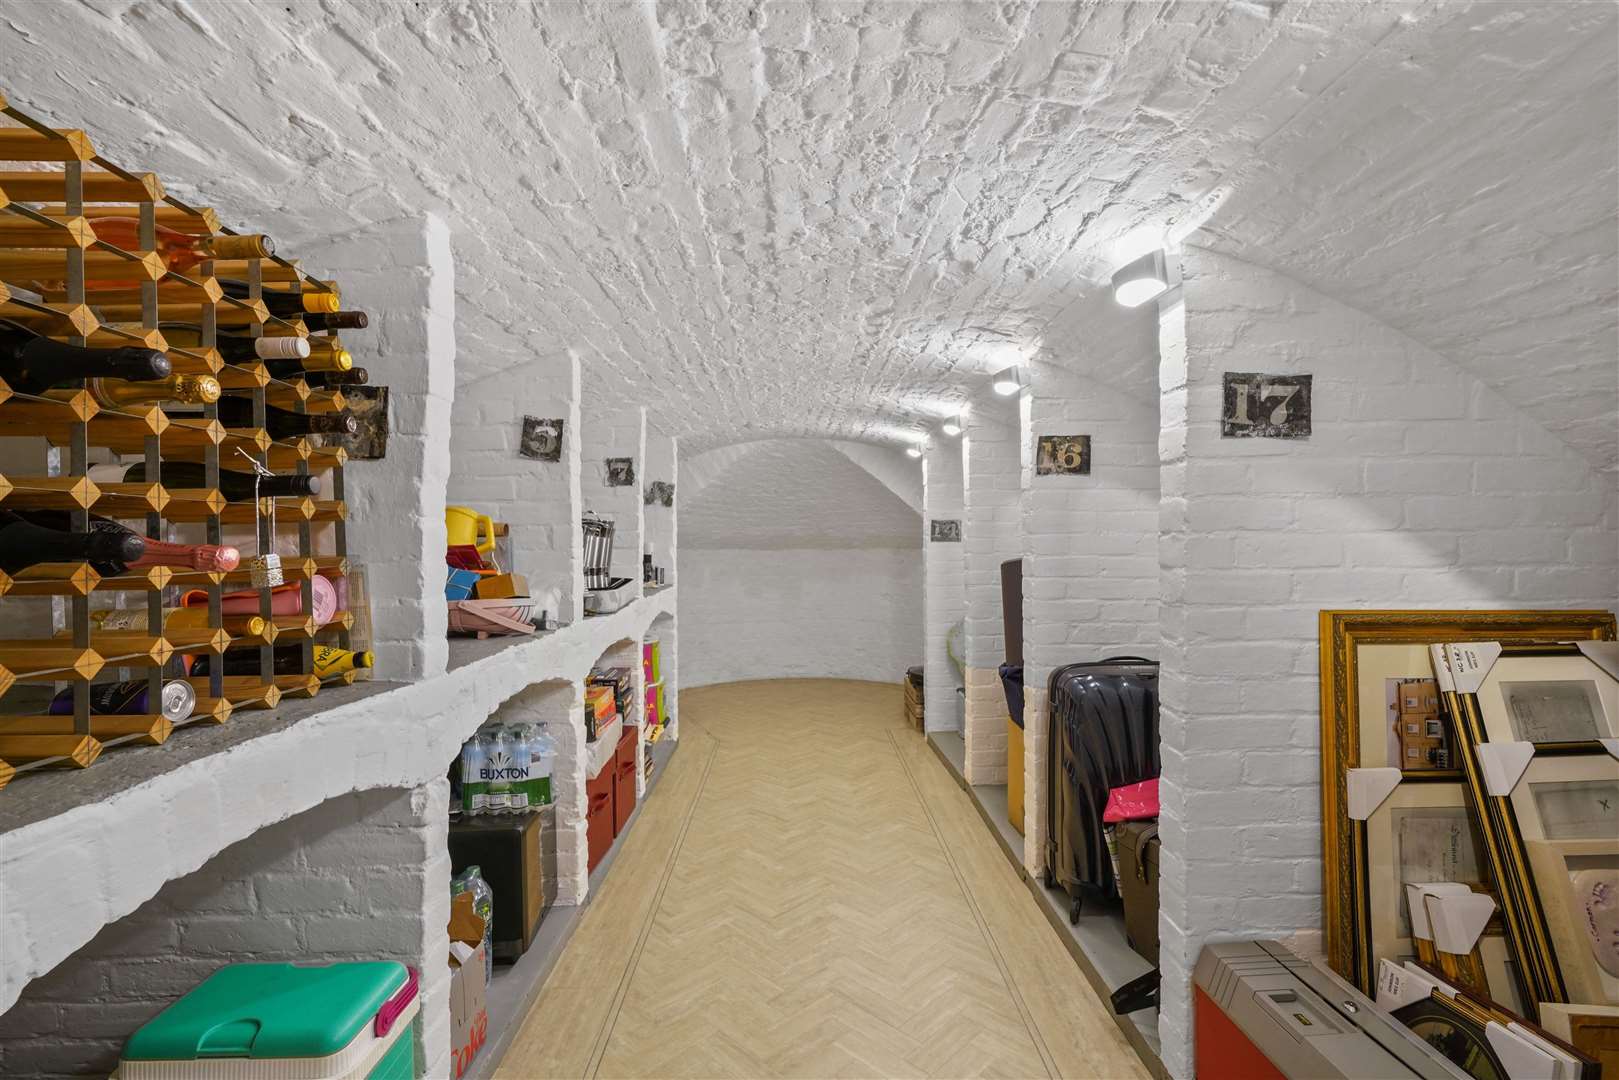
<point x="659" y="521"/>
<point x="404" y="273"/>
<point x="945" y="595"/>
<point x="1090" y="543"/>
<point x="991" y="472"/>
<point x="616" y="429"/>
<point x="1419" y="487"/>
<point x="364" y="876"/>
<point x="539" y="500"/>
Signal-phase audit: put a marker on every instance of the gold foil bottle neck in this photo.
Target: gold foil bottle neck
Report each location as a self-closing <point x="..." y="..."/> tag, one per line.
<point x="246" y="246"/>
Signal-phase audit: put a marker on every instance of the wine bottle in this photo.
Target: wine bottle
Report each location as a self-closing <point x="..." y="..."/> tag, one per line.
<point x="237" y="412"/>
<point x="206" y="557"/>
<point x="185" y="389"/>
<point x="31" y="364"/>
<point x="333" y="380"/>
<point x="24" y="542"/>
<point x="235" y="486"/>
<point x="329" y="661"/>
<point x="325" y="354"/>
<point x="177" y="699"/>
<point x="235" y="348"/>
<point x="336" y="320"/>
<point x="181" y="251"/>
<point x="282" y="303"/>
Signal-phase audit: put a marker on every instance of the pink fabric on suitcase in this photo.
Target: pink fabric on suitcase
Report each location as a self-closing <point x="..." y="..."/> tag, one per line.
<point x="1133" y="802"/>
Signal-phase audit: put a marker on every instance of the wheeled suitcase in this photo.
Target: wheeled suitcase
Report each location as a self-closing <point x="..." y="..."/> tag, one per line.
<point x="1139" y="848"/>
<point x="1103" y="735"/>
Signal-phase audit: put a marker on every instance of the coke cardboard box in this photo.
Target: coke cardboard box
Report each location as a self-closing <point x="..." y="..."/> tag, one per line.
<point x="469" y="1008"/>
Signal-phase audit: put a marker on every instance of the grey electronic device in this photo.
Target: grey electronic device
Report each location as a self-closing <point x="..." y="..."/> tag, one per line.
<point x="1309" y="1022"/>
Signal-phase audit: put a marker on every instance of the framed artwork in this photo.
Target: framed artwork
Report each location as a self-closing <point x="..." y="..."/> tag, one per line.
<point x="1591" y="1029"/>
<point x="1062" y="455"/>
<point x="1375" y="673"/>
<point x="1568" y="795"/>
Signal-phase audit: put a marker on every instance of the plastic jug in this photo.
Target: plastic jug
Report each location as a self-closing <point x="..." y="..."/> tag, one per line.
<point x="463" y="524"/>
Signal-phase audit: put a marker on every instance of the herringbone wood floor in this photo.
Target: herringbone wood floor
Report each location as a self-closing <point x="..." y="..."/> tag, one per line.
<point x="809" y="894"/>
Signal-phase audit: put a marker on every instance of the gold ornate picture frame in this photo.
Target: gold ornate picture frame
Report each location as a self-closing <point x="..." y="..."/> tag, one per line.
<point x="1394" y="645"/>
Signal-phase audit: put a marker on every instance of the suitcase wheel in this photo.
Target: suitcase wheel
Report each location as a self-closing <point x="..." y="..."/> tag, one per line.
<point x="1074" y="907"/>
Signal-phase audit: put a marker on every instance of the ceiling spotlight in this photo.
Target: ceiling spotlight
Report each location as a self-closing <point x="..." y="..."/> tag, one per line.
<point x="913" y="451"/>
<point x="1010" y="381"/>
<point x="1142" y="280"/>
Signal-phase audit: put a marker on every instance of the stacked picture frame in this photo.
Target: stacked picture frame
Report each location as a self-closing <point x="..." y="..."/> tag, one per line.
<point x="1470" y="786"/>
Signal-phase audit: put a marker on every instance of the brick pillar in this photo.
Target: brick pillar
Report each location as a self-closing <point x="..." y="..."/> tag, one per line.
<point x="991" y="479"/>
<point x="944" y="596"/>
<point x="404" y="273"/>
<point x="614" y="429"/>
<point x="1090" y="542"/>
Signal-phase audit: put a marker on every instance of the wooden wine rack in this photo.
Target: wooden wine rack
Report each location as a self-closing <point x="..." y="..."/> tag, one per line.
<point x="54" y="187"/>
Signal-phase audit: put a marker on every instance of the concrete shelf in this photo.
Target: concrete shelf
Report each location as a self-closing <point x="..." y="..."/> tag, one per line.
<point x="108" y="837"/>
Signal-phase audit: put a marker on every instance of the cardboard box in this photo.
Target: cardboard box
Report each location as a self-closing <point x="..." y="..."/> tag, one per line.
<point x="469" y="1005"/>
<point x="501" y="586"/>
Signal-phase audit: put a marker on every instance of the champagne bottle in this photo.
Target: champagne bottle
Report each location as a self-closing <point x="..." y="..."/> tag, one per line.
<point x="207" y="557"/>
<point x="336" y="320"/>
<point x="235" y="486"/>
<point x="329" y="661"/>
<point x="31" y="364"/>
<point x="23" y="543"/>
<point x="333" y="380"/>
<point x="181" y="251"/>
<point x="282" y="303"/>
<point x="237" y="412"/>
<point x="185" y="389"/>
<point x="235" y="348"/>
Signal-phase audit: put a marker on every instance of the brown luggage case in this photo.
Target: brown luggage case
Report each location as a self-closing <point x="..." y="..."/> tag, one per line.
<point x="1138" y="885"/>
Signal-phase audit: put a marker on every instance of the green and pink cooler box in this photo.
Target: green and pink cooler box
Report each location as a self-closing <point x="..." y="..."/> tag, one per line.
<point x="284" y="1022"/>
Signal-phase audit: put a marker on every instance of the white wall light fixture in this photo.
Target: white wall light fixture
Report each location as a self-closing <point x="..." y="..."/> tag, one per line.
<point x="952" y="427"/>
<point x="1144" y="279"/>
<point x="913" y="451"/>
<point x="1010" y="381"/>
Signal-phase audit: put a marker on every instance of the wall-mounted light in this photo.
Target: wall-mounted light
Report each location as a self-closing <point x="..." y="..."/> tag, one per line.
<point x="1141" y="280"/>
<point x="1010" y="381"/>
<point x="913" y="451"/>
<point x="952" y="426"/>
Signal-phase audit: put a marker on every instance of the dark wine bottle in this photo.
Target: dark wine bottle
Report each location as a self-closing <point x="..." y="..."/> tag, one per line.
<point x="237" y="412"/>
<point x="336" y="320"/>
<point x="31" y="364"/>
<point x="211" y="558"/>
<point x="235" y="348"/>
<point x="24" y="543"/>
<point x="281" y="303"/>
<point x="336" y="380"/>
<point x="235" y="486"/>
<point x="288" y="661"/>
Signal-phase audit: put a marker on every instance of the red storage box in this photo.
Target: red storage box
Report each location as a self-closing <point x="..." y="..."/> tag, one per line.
<point x="623" y="781"/>
<point x="599" y="812"/>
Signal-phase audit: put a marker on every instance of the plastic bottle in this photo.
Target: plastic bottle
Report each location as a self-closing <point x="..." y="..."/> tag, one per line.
<point x="498" y="768"/>
<point x="474" y="785"/>
<point x="483" y="903"/>
<point x="542" y="755"/>
<point x="521" y="768"/>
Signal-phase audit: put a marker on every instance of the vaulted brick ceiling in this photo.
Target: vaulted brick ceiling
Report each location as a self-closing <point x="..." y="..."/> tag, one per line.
<point x="836" y="219"/>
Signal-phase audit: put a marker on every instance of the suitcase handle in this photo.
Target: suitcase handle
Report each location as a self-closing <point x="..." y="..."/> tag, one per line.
<point x="1126" y="660"/>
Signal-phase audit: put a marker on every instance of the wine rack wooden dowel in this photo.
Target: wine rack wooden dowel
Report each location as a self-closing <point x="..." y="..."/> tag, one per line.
<point x="99" y="187"/>
<point x="28" y="144"/>
<point x="242" y="691"/>
<point x="149" y="730"/>
<point x="35" y="659"/>
<point x="7" y="771"/>
<point x="210" y="710"/>
<point x="70" y="751"/>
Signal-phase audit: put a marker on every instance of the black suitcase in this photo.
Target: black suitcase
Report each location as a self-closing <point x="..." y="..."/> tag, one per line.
<point x="1103" y="735"/>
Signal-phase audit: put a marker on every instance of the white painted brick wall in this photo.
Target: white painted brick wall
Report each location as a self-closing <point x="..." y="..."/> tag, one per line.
<point x="404" y="273"/>
<point x="1418" y="488"/>
<point x="945" y="602"/>
<point x="360" y="877"/>
<point x="1090" y="543"/>
<point x="533" y="497"/>
<point x="992" y="478"/>
<point x="843" y="613"/>
<point x="662" y="463"/>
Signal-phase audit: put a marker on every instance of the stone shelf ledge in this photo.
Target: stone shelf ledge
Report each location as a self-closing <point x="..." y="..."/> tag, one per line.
<point x="81" y="850"/>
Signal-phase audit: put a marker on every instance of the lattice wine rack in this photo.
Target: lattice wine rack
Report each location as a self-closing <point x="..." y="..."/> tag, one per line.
<point x="93" y="255"/>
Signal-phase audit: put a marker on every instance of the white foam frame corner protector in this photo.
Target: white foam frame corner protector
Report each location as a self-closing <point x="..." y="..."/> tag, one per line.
<point x="1470" y="663"/>
<point x="1522" y="1059"/>
<point x="1503" y="764"/>
<point x="1415" y="898"/>
<point x="1397" y="986"/>
<point x="1441" y="669"/>
<point x="1611" y="746"/>
<point x="1368" y="788"/>
<point x="1457" y="919"/>
<point x="1604" y="654"/>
